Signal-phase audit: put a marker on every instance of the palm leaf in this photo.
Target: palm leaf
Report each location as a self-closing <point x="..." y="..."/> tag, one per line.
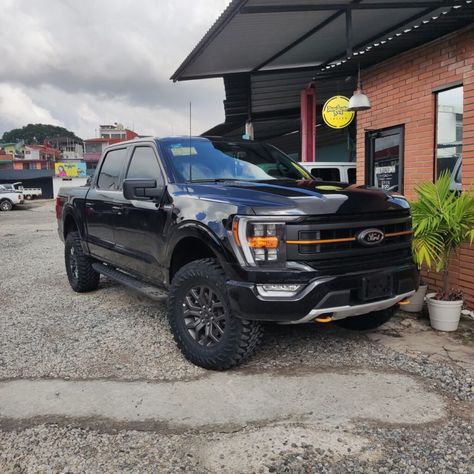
<point x="442" y="221"/>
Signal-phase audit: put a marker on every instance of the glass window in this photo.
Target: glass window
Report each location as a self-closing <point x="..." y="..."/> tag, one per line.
<point x="326" y="174"/>
<point x="109" y="176"/>
<point x="449" y="134"/>
<point x="210" y="160"/>
<point x="144" y="165"/>
<point x="351" y="175"/>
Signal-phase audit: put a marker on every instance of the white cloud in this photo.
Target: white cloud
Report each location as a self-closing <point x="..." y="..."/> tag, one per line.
<point x="16" y="107"/>
<point x="80" y="61"/>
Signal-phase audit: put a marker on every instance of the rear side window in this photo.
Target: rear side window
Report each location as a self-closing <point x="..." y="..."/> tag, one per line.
<point x="109" y="176"/>
<point x="326" y="174"/>
<point x="144" y="165"/>
<point x="351" y="175"/>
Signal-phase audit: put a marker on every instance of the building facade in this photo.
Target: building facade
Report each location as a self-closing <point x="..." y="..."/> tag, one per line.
<point x="421" y="123"/>
<point x="109" y="134"/>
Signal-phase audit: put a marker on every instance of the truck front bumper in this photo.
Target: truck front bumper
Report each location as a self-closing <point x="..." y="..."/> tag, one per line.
<point x="338" y="296"/>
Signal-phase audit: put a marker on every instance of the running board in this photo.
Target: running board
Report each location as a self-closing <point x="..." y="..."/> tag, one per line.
<point x="152" y="292"/>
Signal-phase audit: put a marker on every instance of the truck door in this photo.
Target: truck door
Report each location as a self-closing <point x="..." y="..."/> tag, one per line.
<point x="103" y="205"/>
<point x="140" y="224"/>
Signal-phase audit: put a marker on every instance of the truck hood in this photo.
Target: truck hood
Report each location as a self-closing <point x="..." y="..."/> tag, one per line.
<point x="305" y="197"/>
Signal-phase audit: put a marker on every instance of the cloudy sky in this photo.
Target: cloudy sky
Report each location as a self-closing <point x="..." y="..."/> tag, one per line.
<point x="79" y="63"/>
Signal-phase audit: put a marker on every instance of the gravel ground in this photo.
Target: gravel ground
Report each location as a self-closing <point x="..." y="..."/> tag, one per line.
<point x="48" y="331"/>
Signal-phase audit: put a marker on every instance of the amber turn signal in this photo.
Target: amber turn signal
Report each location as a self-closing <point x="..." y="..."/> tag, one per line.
<point x="235" y="231"/>
<point x="263" y="242"/>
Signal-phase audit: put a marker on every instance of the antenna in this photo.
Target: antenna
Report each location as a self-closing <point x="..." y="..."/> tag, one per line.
<point x="190" y="141"/>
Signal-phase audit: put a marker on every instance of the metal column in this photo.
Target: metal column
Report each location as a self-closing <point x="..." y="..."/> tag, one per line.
<point x="308" y="123"/>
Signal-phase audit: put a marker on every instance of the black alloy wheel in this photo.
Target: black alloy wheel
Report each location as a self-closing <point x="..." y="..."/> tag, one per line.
<point x="204" y="315"/>
<point x="200" y="317"/>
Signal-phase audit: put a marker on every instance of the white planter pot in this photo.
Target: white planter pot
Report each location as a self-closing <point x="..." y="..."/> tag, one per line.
<point x="444" y="315"/>
<point x="416" y="301"/>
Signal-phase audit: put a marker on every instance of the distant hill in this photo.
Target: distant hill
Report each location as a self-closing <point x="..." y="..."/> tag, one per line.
<point x="36" y="133"/>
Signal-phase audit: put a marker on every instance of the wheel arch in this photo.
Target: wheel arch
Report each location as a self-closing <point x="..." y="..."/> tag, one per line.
<point x="194" y="241"/>
<point x="70" y="224"/>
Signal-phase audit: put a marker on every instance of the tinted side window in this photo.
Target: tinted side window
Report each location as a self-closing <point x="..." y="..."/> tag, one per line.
<point x="109" y="177"/>
<point x="351" y="175"/>
<point x="326" y="174"/>
<point x="144" y="165"/>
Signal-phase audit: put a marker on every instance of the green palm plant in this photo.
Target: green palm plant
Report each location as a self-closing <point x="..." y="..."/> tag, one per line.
<point x="442" y="221"/>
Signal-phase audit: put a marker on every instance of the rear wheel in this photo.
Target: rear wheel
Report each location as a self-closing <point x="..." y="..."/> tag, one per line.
<point x="201" y="320"/>
<point x="6" y="205"/>
<point x="367" y="321"/>
<point x="82" y="277"/>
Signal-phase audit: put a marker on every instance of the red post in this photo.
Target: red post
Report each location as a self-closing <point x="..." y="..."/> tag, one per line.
<point x="308" y="123"/>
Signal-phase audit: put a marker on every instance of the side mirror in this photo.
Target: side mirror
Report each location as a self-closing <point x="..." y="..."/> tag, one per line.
<point x="142" y="189"/>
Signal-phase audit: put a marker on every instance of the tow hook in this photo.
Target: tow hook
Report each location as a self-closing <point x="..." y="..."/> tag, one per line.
<point x="323" y="318"/>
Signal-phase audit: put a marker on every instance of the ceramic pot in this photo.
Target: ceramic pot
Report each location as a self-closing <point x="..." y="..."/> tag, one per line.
<point x="416" y="301"/>
<point x="444" y="315"/>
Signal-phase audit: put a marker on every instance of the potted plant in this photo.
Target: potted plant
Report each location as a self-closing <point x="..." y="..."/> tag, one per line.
<point x="442" y="221"/>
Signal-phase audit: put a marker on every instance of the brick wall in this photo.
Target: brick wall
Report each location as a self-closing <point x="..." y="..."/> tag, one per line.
<point x="401" y="92"/>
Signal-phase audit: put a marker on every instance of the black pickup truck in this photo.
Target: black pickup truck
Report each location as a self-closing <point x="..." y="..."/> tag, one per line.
<point x="232" y="234"/>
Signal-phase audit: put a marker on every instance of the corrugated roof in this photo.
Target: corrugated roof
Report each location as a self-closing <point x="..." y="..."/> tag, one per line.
<point x="266" y="35"/>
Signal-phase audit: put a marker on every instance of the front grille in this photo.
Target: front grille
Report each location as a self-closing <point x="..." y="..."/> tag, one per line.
<point x="339" y="244"/>
<point x="350" y="232"/>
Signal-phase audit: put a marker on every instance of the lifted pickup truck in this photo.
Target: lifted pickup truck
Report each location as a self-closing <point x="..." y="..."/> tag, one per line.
<point x="233" y="234"/>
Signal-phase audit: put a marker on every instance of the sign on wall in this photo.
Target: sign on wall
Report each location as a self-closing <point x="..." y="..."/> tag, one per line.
<point x="70" y="170"/>
<point x="335" y="113"/>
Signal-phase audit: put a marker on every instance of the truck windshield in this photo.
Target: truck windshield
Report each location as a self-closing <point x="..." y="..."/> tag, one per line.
<point x="201" y="160"/>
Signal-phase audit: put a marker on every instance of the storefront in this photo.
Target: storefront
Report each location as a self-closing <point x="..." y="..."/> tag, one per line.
<point x="421" y="123"/>
<point x="417" y="68"/>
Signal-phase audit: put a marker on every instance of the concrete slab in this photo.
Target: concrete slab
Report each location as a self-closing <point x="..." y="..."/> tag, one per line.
<point x="414" y="337"/>
<point x="227" y="399"/>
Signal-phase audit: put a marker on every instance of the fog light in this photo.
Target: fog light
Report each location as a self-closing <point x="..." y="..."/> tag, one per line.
<point x="278" y="287"/>
<point x="278" y="290"/>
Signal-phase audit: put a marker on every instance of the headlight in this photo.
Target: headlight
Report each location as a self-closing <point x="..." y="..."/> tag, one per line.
<point x="260" y="241"/>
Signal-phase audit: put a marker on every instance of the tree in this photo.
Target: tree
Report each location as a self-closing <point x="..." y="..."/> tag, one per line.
<point x="36" y="133"/>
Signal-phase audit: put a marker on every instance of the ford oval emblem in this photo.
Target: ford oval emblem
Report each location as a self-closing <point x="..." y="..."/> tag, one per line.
<point x="370" y="237"/>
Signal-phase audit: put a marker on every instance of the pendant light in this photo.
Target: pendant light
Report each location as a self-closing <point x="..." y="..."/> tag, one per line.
<point x="359" y="101"/>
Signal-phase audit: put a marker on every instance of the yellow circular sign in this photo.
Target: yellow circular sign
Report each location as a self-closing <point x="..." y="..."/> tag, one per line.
<point x="335" y="112"/>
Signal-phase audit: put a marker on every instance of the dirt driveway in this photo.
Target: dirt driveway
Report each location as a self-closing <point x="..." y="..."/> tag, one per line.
<point x="94" y="383"/>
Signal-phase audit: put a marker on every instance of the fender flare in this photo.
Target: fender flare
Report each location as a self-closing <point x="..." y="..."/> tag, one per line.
<point x="205" y="235"/>
<point x="70" y="212"/>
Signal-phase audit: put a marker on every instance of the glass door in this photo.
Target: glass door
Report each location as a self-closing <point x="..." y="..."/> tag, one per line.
<point x="384" y="158"/>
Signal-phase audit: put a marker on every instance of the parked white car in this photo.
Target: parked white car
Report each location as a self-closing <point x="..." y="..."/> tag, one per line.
<point x="338" y="171"/>
<point x="9" y="199"/>
<point x="28" y="193"/>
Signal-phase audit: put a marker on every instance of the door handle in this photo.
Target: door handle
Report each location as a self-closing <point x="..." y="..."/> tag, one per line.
<point x="117" y="210"/>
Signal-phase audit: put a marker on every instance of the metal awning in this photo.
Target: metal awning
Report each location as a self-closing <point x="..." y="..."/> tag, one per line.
<point x="328" y="38"/>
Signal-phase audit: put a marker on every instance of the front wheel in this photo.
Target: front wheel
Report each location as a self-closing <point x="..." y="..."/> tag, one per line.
<point x="200" y="318"/>
<point x="82" y="277"/>
<point x="367" y="321"/>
